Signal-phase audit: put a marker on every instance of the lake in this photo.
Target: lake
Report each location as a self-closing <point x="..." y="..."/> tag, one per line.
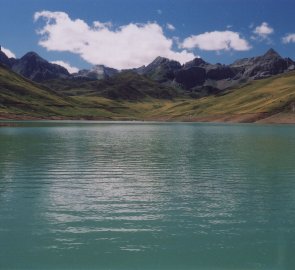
<point x="116" y="196"/>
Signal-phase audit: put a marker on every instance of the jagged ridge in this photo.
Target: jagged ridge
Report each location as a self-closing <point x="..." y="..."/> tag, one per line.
<point x="196" y="76"/>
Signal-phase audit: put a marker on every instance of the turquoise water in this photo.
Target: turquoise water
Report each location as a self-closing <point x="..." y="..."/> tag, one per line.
<point x="147" y="196"/>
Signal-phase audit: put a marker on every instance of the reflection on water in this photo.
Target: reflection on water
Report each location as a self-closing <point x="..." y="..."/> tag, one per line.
<point x="147" y="196"/>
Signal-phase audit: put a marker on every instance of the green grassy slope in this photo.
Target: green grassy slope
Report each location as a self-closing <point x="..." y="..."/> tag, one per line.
<point x="268" y="96"/>
<point x="123" y="86"/>
<point x="130" y="96"/>
<point x="21" y="96"/>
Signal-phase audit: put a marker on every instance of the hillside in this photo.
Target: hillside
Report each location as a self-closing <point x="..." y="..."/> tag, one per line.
<point x="133" y="97"/>
<point x="19" y="96"/>
<point x="268" y="100"/>
<point x="123" y="86"/>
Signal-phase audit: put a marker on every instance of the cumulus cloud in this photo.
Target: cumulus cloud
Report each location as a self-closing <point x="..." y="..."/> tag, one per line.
<point x="66" y="65"/>
<point x="289" y="38"/>
<point x="8" y="52"/>
<point x="263" y="30"/>
<point x="217" y="41"/>
<point x="127" y="46"/>
<point x="170" y="26"/>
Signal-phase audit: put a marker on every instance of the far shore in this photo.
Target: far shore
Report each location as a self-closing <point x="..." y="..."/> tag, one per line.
<point x="261" y="118"/>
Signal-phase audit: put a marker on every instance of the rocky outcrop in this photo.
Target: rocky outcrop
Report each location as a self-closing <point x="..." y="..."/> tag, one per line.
<point x="97" y="72"/>
<point x="4" y="59"/>
<point x="161" y="69"/>
<point x="219" y="72"/>
<point x="35" y="68"/>
<point x="197" y="62"/>
<point x="191" y="77"/>
<point x="198" y="75"/>
<point x="271" y="63"/>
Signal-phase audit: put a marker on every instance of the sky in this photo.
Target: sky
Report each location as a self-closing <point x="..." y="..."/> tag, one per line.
<point x="130" y="33"/>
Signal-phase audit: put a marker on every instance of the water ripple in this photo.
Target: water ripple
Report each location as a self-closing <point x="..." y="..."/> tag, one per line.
<point x="199" y="193"/>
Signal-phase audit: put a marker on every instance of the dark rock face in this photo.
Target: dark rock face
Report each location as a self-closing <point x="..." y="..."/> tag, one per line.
<point x="271" y="63"/>
<point x="193" y="74"/>
<point x="197" y="62"/>
<point x="161" y="69"/>
<point x="219" y="72"/>
<point x="198" y="75"/>
<point x="97" y="72"/>
<point x="4" y="59"/>
<point x="12" y="61"/>
<point x="33" y="67"/>
<point x="191" y="77"/>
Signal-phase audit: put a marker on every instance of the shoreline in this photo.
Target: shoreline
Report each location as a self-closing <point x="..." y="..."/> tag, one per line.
<point x="258" y="118"/>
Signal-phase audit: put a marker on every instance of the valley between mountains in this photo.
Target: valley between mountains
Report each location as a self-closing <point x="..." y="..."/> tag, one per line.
<point x="258" y="89"/>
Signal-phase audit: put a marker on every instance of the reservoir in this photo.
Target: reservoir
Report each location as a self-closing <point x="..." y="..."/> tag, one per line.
<point x="150" y="196"/>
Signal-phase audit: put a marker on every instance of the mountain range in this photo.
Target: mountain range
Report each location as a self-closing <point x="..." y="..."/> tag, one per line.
<point x="34" y="67"/>
<point x="196" y="76"/>
<point x="247" y="90"/>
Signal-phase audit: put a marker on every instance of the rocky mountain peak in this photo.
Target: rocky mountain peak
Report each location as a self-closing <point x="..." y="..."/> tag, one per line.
<point x="32" y="59"/>
<point x="160" y="60"/>
<point x="31" y="55"/>
<point x="271" y="53"/>
<point x="34" y="67"/>
<point x="163" y="61"/>
<point x="4" y="59"/>
<point x="197" y="62"/>
<point x="97" y="72"/>
<point x="161" y="69"/>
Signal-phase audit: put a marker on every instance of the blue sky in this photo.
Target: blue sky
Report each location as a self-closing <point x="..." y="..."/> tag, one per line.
<point x="132" y="32"/>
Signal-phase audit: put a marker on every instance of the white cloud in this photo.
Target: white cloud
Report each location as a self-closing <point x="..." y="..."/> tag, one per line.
<point x="216" y="41"/>
<point x="128" y="46"/>
<point x="289" y="38"/>
<point x="8" y="52"/>
<point x="159" y="11"/>
<point x="263" y="30"/>
<point x="66" y="65"/>
<point x="98" y="24"/>
<point x="170" y="26"/>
